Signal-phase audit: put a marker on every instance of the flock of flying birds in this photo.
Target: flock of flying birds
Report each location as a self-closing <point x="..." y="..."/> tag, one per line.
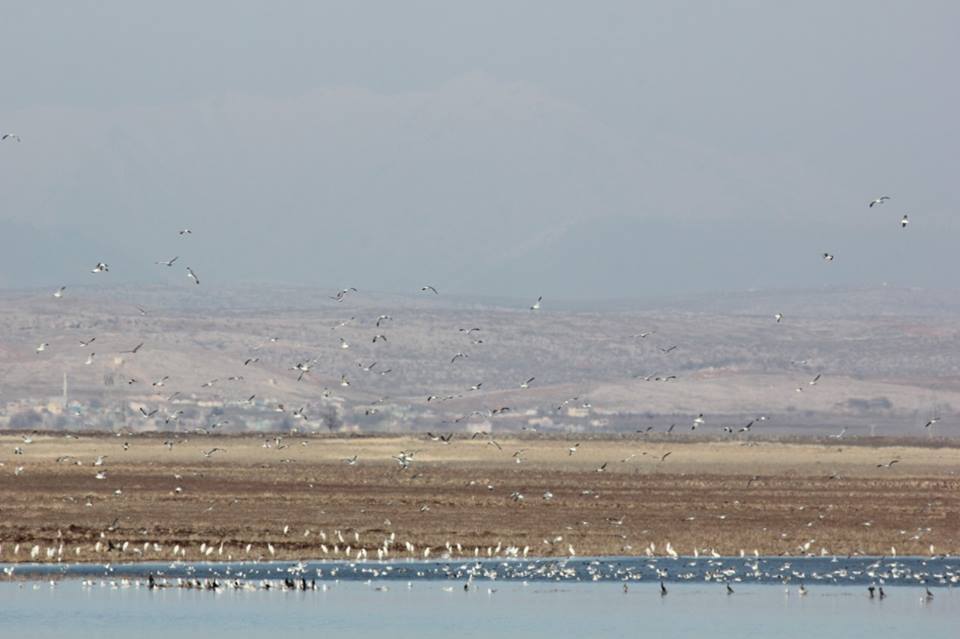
<point x="404" y="459"/>
<point x="303" y="368"/>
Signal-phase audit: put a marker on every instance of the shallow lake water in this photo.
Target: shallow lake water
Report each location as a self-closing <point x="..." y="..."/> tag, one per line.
<point x="546" y="598"/>
<point x="429" y="608"/>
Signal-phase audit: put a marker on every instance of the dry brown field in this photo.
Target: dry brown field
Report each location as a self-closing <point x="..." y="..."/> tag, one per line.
<point x="301" y="497"/>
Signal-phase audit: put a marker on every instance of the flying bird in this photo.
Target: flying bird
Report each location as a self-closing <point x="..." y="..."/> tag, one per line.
<point x="877" y="202"/>
<point x="185" y="232"/>
<point x="100" y="268"/>
<point x="827" y="257"/>
<point x="459" y="354"/>
<point x="527" y="383"/>
<point x="889" y="464"/>
<point x="429" y="288"/>
<point x="9" y="136"/>
<point x="536" y="305"/>
<point x="42" y="347"/>
<point x="192" y="275"/>
<point x="167" y="262"/>
<point x="342" y="293"/>
<point x="303" y="367"/>
<point x="778" y="317"/>
<point x="209" y="453"/>
<point x="904" y="221"/>
<point x="59" y="292"/>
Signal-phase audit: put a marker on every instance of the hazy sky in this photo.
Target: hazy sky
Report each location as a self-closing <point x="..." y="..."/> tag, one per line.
<point x="569" y="149"/>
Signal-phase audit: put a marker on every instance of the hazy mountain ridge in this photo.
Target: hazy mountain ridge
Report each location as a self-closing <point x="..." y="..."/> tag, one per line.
<point x="893" y="370"/>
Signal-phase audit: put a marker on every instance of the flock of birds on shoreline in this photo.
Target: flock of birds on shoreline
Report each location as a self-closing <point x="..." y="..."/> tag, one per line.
<point x="793" y="574"/>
